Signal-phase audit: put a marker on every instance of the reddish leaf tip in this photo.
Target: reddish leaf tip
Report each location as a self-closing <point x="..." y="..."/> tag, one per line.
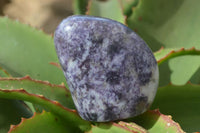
<point x="41" y="96"/>
<point x="56" y="64"/>
<point x="34" y="80"/>
<point x="137" y="127"/>
<point x="26" y="77"/>
<point x="123" y="127"/>
<point x="175" y="53"/>
<point x="167" y="119"/>
<point x="62" y="84"/>
<point x="14" y="127"/>
<point x="88" y="7"/>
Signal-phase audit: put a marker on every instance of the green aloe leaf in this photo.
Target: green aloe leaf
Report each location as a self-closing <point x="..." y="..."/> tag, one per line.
<point x="165" y="54"/>
<point x="109" y="9"/>
<point x="69" y="116"/>
<point x="182" y="102"/>
<point x="27" y="51"/>
<point x="54" y="92"/>
<point x="4" y="73"/>
<point x="155" y="122"/>
<point x="120" y="127"/>
<point x="80" y="6"/>
<point x="172" y="24"/>
<point x="151" y="121"/>
<point x="11" y="112"/>
<point x="133" y="127"/>
<point x="45" y="122"/>
<point x="181" y="74"/>
<point x="128" y="6"/>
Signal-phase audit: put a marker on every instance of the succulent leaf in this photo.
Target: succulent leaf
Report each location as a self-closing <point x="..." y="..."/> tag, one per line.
<point x="182" y="102"/>
<point x="70" y="116"/>
<point x="128" y="6"/>
<point x="109" y="9"/>
<point x="46" y="122"/>
<point x="54" y="92"/>
<point x="171" y="24"/>
<point x="11" y="112"/>
<point x="181" y="74"/>
<point x="155" y="122"/>
<point x="27" y="51"/>
<point x="80" y="6"/>
<point x="114" y="128"/>
<point x="133" y="126"/>
<point x="4" y="73"/>
<point x="166" y="54"/>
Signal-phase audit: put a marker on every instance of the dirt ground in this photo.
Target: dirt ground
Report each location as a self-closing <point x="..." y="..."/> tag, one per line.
<point x="42" y="14"/>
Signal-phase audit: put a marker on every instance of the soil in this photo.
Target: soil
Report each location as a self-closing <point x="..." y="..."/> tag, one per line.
<point x="42" y="14"/>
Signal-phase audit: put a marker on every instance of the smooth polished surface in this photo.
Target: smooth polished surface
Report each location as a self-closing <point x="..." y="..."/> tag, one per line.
<point x="111" y="72"/>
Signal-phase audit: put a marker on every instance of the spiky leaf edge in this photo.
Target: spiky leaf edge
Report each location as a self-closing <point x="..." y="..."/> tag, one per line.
<point x="144" y="121"/>
<point x="175" y="53"/>
<point x="55" y="107"/>
<point x="45" y="117"/>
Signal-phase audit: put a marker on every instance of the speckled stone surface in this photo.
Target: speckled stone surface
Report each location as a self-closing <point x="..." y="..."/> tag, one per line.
<point x="111" y="72"/>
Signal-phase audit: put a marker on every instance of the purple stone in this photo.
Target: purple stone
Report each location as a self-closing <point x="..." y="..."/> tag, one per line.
<point x="111" y="72"/>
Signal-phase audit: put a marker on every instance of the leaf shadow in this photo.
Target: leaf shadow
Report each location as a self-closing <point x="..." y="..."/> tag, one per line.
<point x="195" y="78"/>
<point x="11" y="112"/>
<point x="146" y="120"/>
<point x="164" y="73"/>
<point x="182" y="103"/>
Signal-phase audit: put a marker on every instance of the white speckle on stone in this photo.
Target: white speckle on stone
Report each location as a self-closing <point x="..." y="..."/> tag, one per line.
<point x="87" y="50"/>
<point x="62" y="60"/>
<point x="68" y="28"/>
<point x="111" y="72"/>
<point x="73" y="67"/>
<point x="117" y="60"/>
<point x="149" y="89"/>
<point x="71" y="64"/>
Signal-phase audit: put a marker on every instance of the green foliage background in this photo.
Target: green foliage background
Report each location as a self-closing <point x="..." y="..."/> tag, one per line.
<point x="170" y="28"/>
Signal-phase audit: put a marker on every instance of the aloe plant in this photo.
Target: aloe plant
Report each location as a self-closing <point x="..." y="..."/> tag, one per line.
<point x="34" y="95"/>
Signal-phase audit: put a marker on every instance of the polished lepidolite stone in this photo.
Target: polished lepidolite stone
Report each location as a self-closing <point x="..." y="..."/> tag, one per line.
<point x="111" y="72"/>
